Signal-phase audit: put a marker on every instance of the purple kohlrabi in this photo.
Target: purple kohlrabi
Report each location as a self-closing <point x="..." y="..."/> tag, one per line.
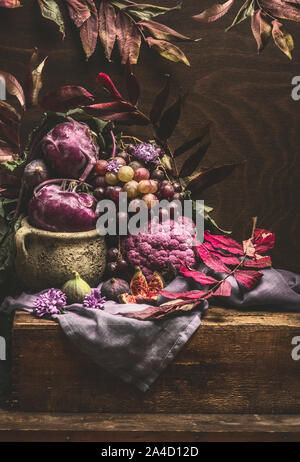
<point x="58" y="208"/>
<point x="70" y="150"/>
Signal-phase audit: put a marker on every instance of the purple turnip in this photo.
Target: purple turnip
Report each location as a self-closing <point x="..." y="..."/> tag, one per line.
<point x="70" y="149"/>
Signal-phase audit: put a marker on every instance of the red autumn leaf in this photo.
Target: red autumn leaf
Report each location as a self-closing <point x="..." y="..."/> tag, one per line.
<point x="215" y="12"/>
<point x="198" y="276"/>
<point x="160" y="101"/>
<point x="169" y="120"/>
<point x="89" y="30"/>
<point x="10" y="3"/>
<point x="103" y="109"/>
<point x="129" y="39"/>
<point x="119" y="111"/>
<point x="132" y="84"/>
<point x="64" y="98"/>
<point x="258" y="262"/>
<point x="107" y="27"/>
<point x="223" y="290"/>
<point x="107" y="83"/>
<point x="190" y="294"/>
<point x="79" y="11"/>
<point x="13" y="87"/>
<point x="211" y="260"/>
<point x="261" y="29"/>
<point x="263" y="240"/>
<point x="248" y="278"/>
<point x="224" y="242"/>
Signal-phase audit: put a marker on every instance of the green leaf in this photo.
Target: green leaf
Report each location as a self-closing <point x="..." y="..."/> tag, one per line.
<point x="50" y="10"/>
<point x="245" y="12"/>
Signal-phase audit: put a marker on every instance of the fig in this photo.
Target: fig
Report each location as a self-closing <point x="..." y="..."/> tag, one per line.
<point x="141" y="291"/>
<point x="114" y="287"/>
<point x="76" y="289"/>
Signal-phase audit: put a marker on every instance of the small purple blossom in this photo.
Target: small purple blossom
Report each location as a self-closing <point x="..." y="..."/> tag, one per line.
<point x="146" y="152"/>
<point x="113" y="166"/>
<point x="51" y="302"/>
<point x="95" y="300"/>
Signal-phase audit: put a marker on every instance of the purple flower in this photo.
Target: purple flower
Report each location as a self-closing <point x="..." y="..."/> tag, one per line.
<point x="113" y="166"/>
<point x="51" y="302"/>
<point x="146" y="152"/>
<point x="95" y="300"/>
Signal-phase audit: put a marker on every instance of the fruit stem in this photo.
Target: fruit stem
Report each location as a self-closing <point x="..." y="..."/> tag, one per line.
<point x="114" y="143"/>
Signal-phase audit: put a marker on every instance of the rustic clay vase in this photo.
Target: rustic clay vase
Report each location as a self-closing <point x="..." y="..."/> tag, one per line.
<point x="45" y="259"/>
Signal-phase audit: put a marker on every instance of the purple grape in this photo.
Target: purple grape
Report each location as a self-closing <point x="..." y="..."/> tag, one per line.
<point x="112" y="254"/>
<point x="157" y="175"/>
<point x="99" y="193"/>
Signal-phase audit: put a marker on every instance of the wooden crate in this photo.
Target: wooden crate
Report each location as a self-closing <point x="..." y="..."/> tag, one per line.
<point x="237" y="362"/>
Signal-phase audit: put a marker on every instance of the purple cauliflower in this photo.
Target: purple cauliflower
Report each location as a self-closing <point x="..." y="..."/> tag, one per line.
<point x="70" y="150"/>
<point x="160" y="245"/>
<point x="56" y="209"/>
<point x="146" y="152"/>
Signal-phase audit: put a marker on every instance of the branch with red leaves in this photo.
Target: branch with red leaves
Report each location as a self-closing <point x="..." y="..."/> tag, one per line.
<point x="218" y="253"/>
<point x="265" y="15"/>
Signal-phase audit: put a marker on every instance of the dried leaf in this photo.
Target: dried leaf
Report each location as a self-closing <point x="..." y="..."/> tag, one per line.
<point x="64" y="98"/>
<point x="10" y="3"/>
<point x="50" y="10"/>
<point x="145" y="11"/>
<point x="9" y="113"/>
<point x="36" y="83"/>
<point x="89" y="30"/>
<point x="204" y="131"/>
<point x="169" y="120"/>
<point x="215" y="12"/>
<point x="245" y="12"/>
<point x="261" y="29"/>
<point x="132" y="84"/>
<point x="9" y="133"/>
<point x="261" y="242"/>
<point x="282" y="39"/>
<point x="79" y="11"/>
<point x="162" y="32"/>
<point x="211" y="177"/>
<point x="107" y="27"/>
<point x="198" y="276"/>
<point x="107" y="83"/>
<point x="129" y="39"/>
<point x="168" y="50"/>
<point x="160" y="101"/>
<point x="8" y="154"/>
<point x="248" y="278"/>
<point x="119" y="111"/>
<point x="192" y="162"/>
<point x="281" y="9"/>
<point x="14" y="88"/>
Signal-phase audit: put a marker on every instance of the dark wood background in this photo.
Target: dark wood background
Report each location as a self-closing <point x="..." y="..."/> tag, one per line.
<point x="248" y="98"/>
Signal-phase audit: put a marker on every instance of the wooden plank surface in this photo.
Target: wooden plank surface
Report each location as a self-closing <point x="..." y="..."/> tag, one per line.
<point x="237" y="362"/>
<point x="248" y="98"/>
<point x="20" y="426"/>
